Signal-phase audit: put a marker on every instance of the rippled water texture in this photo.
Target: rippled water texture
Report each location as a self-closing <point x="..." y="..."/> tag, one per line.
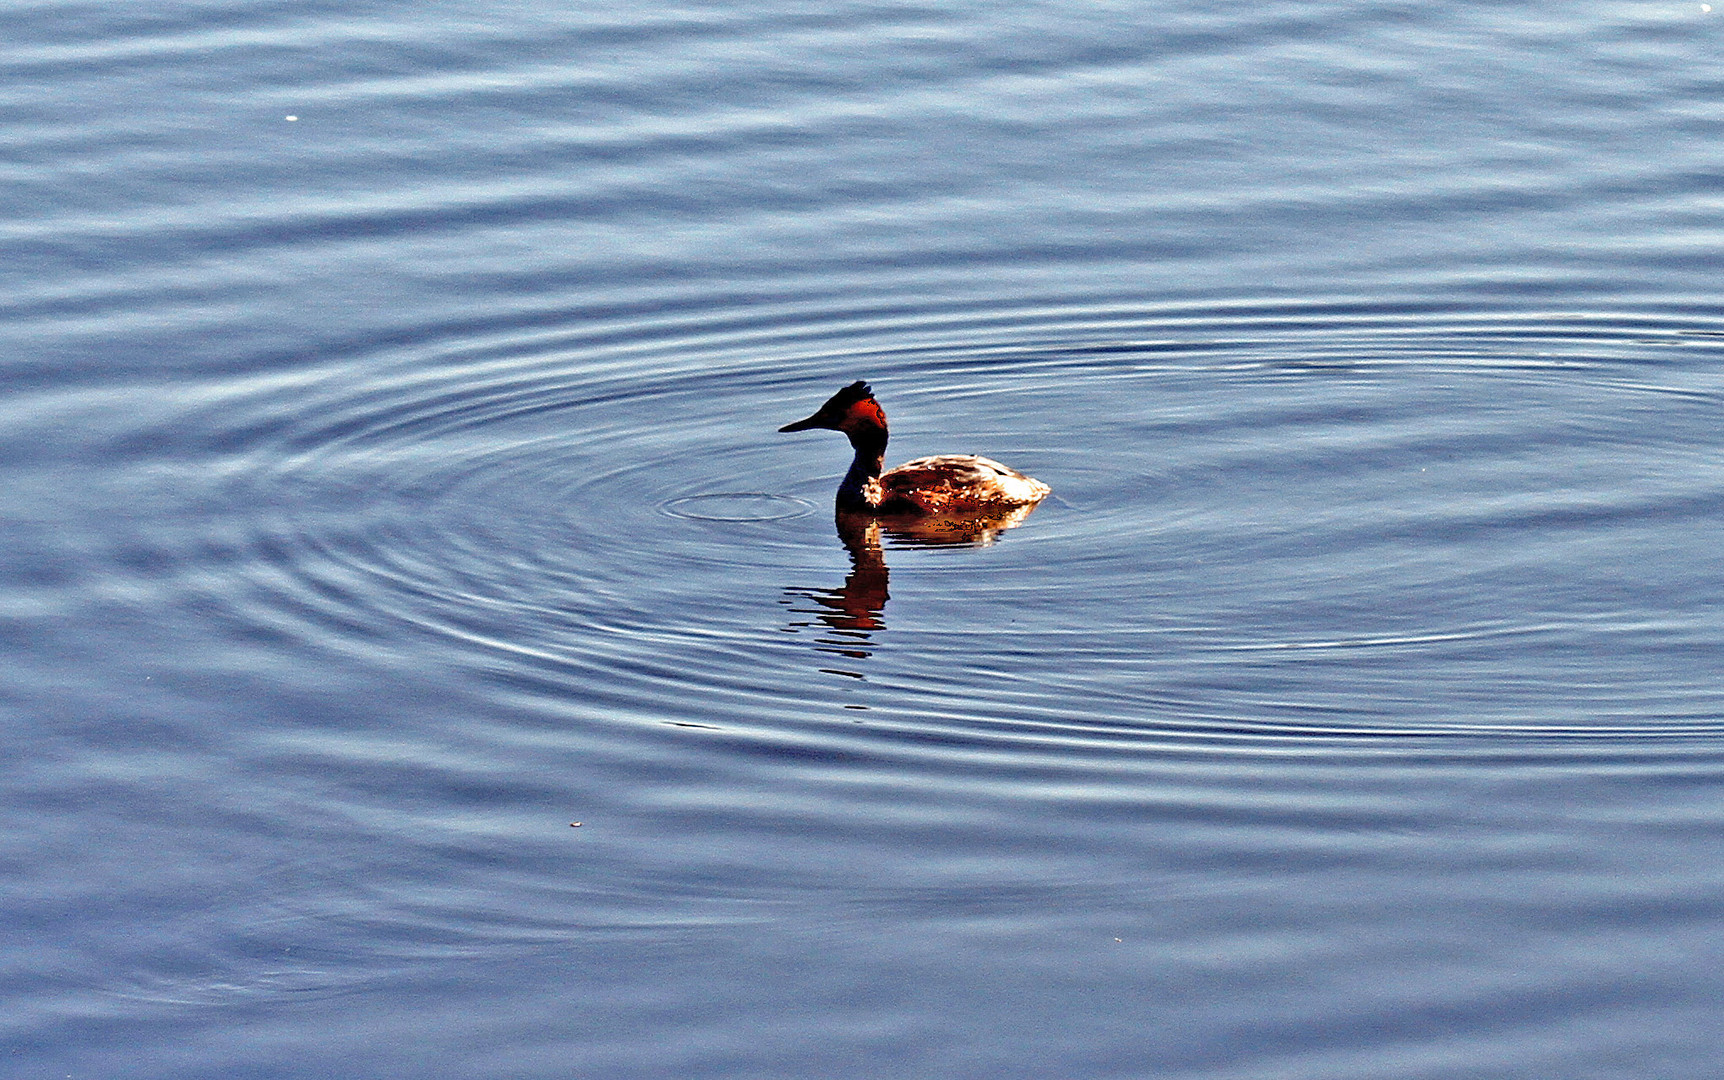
<point x="427" y="658"/>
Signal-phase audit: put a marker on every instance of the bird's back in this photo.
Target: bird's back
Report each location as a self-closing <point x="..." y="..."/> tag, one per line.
<point x="955" y="484"/>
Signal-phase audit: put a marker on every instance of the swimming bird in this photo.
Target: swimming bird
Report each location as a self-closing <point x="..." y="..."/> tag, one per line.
<point x="949" y="485"/>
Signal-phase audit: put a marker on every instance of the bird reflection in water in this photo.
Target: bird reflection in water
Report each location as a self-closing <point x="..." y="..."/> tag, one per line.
<point x="851" y="614"/>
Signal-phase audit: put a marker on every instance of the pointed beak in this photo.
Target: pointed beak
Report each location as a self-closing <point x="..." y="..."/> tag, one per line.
<point x="804" y="425"/>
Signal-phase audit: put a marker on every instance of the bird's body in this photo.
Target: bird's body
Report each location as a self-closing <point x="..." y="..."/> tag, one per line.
<point x="946" y="485"/>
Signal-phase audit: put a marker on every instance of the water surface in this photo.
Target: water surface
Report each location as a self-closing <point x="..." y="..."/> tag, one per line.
<point x="393" y="482"/>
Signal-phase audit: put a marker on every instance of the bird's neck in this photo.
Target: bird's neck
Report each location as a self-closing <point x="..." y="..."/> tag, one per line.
<point x="855" y="491"/>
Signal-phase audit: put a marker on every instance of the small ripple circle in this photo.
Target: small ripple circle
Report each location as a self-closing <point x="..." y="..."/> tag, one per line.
<point x="737" y="506"/>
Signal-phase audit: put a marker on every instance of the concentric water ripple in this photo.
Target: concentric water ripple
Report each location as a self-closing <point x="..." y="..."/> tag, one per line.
<point x="1282" y="521"/>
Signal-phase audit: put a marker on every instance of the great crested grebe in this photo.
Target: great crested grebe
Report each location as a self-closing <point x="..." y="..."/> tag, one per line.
<point x="947" y="484"/>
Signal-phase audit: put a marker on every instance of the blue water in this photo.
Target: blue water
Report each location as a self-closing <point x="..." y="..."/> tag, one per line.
<point x="391" y="482"/>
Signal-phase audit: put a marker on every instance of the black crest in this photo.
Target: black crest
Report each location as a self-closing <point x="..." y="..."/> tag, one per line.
<point x="850" y="395"/>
